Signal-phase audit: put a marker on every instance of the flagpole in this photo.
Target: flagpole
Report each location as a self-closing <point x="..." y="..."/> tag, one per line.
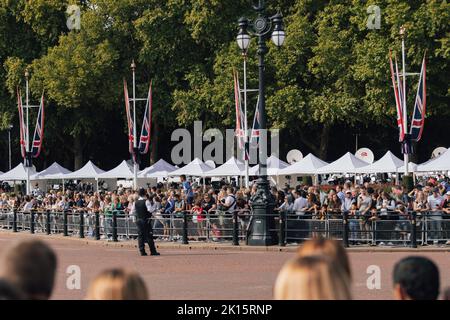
<point x="27" y="140"/>
<point x="405" y="116"/>
<point x="246" y="153"/>
<point x="135" y="164"/>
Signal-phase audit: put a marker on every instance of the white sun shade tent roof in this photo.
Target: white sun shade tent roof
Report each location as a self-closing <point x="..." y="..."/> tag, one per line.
<point x="161" y="169"/>
<point x="195" y="168"/>
<point x="441" y="163"/>
<point x="388" y="163"/>
<point x="17" y="173"/>
<point x="233" y="167"/>
<point x="306" y="166"/>
<point x="123" y="170"/>
<point x="348" y="163"/>
<point x="274" y="165"/>
<point x="54" y="172"/>
<point x="88" y="171"/>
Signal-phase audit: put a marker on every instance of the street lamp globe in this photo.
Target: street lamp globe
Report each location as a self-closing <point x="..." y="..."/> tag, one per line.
<point x="243" y="38"/>
<point x="278" y="34"/>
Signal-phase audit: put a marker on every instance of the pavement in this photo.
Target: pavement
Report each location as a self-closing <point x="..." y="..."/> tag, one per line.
<point x="204" y="271"/>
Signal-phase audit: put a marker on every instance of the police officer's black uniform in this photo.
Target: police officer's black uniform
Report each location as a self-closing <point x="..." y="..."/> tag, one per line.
<point x="145" y="232"/>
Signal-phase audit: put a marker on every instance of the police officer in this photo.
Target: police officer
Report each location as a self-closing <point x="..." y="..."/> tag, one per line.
<point x="143" y="223"/>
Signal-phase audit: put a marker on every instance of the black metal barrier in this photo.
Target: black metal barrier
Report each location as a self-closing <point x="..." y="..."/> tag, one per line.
<point x="290" y="228"/>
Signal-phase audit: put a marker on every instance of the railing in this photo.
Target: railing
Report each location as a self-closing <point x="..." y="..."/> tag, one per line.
<point x="410" y="229"/>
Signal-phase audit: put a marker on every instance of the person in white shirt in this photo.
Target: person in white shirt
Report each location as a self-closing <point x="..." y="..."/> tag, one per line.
<point x="300" y="204"/>
<point x="434" y="203"/>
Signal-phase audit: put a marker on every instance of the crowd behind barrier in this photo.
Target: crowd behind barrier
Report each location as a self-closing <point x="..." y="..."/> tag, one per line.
<point x="233" y="227"/>
<point x="357" y="214"/>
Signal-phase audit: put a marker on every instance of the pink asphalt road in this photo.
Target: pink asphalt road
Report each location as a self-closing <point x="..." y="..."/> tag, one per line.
<point x="210" y="274"/>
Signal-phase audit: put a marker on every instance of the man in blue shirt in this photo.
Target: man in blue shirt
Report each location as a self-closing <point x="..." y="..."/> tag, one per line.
<point x="188" y="192"/>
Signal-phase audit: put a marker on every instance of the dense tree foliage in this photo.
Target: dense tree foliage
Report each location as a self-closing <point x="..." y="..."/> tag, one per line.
<point x="329" y="82"/>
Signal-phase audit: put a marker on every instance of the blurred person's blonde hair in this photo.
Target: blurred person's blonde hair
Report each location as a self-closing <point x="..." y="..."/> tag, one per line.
<point x="312" y="278"/>
<point x="117" y="284"/>
<point x="333" y="249"/>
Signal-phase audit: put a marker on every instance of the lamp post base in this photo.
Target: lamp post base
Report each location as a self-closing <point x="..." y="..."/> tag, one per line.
<point x="262" y="228"/>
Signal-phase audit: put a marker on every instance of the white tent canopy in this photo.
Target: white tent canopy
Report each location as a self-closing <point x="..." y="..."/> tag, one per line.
<point x="274" y="165"/>
<point x="233" y="167"/>
<point x="54" y="172"/>
<point x="123" y="170"/>
<point x="306" y="166"/>
<point x="161" y="169"/>
<point x="17" y="173"/>
<point x="441" y="163"/>
<point x="412" y="167"/>
<point x="348" y="163"/>
<point x="388" y="163"/>
<point x="88" y="171"/>
<point x="196" y="168"/>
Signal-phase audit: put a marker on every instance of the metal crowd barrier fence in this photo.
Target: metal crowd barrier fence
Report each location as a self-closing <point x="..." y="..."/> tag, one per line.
<point x="234" y="226"/>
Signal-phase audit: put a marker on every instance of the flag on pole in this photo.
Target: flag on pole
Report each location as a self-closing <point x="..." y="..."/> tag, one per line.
<point x="129" y="119"/>
<point x="239" y="116"/>
<point x="398" y="97"/>
<point x="418" y="118"/>
<point x="21" y="124"/>
<point x="38" y="131"/>
<point x="144" y="140"/>
<point x="254" y="138"/>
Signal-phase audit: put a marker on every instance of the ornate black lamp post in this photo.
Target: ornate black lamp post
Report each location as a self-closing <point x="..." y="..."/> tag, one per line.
<point x="262" y="202"/>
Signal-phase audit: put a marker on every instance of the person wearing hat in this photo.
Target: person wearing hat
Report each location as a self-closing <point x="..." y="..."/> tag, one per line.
<point x="143" y="224"/>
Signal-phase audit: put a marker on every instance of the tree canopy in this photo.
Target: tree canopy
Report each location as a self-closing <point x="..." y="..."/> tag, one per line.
<point x="327" y="83"/>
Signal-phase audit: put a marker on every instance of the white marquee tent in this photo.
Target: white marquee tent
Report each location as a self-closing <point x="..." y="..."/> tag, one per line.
<point x="161" y="169"/>
<point x="306" y="166"/>
<point x="196" y="168"/>
<point x="54" y="172"/>
<point x="274" y="165"/>
<point x="233" y="167"/>
<point x="123" y="170"/>
<point x="412" y="167"/>
<point x="441" y="163"/>
<point x="348" y="163"/>
<point x="388" y="163"/>
<point x="88" y="171"/>
<point x="17" y="173"/>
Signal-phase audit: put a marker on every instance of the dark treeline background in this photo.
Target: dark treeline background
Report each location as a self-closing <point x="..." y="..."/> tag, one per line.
<point x="328" y="83"/>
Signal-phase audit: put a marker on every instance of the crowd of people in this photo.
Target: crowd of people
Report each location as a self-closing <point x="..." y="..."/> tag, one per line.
<point x="320" y="270"/>
<point x="362" y="203"/>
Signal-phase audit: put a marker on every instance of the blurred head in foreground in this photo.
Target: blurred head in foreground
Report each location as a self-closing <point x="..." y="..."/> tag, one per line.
<point x="312" y="278"/>
<point x="30" y="266"/>
<point x="9" y="292"/>
<point x="416" y="278"/>
<point x="333" y="249"/>
<point x="117" y="284"/>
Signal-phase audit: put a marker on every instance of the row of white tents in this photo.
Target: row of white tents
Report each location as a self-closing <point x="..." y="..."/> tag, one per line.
<point x="309" y="165"/>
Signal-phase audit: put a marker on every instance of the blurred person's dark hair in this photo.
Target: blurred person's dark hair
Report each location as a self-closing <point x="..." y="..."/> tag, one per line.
<point x="9" y="292"/>
<point x="30" y="266"/>
<point x="416" y="278"/>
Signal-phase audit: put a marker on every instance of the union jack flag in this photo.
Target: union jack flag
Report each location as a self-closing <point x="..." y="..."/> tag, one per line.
<point x="129" y="119"/>
<point x="398" y="93"/>
<point x="21" y="124"/>
<point x="418" y="118"/>
<point x="144" y="141"/>
<point x="38" y="131"/>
